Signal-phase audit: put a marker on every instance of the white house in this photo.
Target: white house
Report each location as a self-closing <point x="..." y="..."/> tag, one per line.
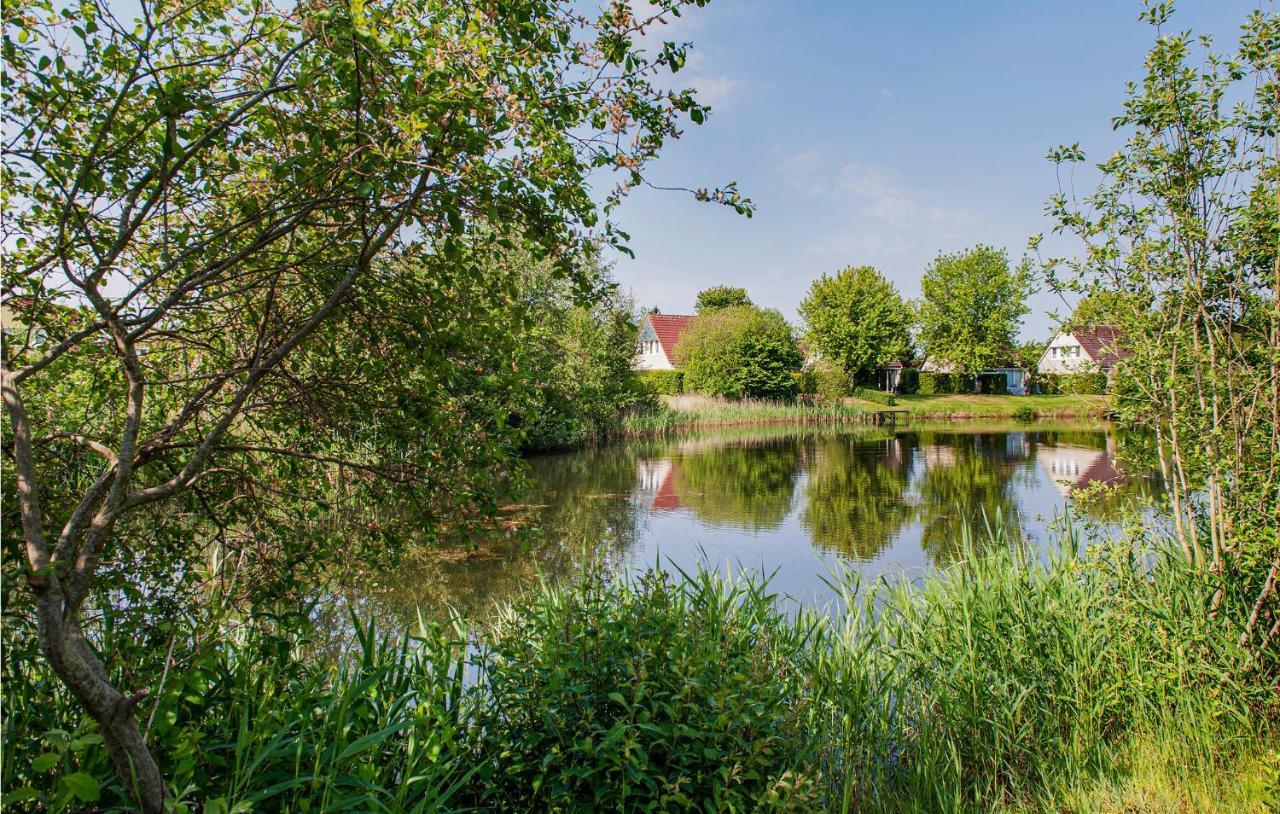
<point x="655" y="349"/>
<point x="1094" y="349"/>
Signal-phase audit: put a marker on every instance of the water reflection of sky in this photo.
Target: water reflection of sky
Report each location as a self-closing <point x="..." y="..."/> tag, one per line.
<point x="794" y="503"/>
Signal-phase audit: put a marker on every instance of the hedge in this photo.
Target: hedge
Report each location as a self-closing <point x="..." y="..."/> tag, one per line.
<point x="662" y="382"/>
<point x="909" y="381"/>
<point x="1073" y="384"/>
<point x="944" y="383"/>
<point x="878" y="396"/>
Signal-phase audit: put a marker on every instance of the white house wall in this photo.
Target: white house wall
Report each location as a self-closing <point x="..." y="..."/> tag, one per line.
<point x="1070" y="356"/>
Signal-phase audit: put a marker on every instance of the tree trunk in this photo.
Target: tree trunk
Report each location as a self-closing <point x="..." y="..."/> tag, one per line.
<point x="74" y="661"/>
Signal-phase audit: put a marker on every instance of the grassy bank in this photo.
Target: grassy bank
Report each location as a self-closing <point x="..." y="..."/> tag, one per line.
<point x="956" y="406"/>
<point x="690" y="411"/>
<point x="1084" y="684"/>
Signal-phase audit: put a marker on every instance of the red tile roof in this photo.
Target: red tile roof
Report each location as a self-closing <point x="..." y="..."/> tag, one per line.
<point x="668" y="328"/>
<point x="1102" y="343"/>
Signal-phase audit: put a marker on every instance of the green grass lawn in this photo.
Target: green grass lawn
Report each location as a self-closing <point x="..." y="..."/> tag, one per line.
<point x="998" y="406"/>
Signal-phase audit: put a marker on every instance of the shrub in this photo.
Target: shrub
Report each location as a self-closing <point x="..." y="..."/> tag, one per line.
<point x="831" y="382"/>
<point x="740" y="352"/>
<point x="644" y="696"/>
<point x="1024" y="413"/>
<point x="909" y="382"/>
<point x="662" y="382"/>
<point x="945" y="383"/>
<point x="877" y="396"/>
<point x="1074" y="384"/>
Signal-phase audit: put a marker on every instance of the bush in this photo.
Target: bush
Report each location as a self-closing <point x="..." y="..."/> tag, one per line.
<point x="831" y="382"/>
<point x="740" y="352"/>
<point x="645" y="696"/>
<point x="662" y="382"/>
<point x="909" y="381"/>
<point x="877" y="396"/>
<point x="1073" y="384"/>
<point x="945" y="383"/>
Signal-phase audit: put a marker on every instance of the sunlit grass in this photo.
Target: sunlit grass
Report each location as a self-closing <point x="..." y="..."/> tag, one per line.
<point x="993" y="406"/>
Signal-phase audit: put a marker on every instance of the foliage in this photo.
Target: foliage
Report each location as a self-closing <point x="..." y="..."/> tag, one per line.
<point x="662" y="382"/>
<point x="857" y="319"/>
<point x="697" y="411"/>
<point x="576" y="351"/>
<point x="740" y="352"/>
<point x="940" y="383"/>
<point x="1080" y="384"/>
<point x="1103" y="307"/>
<point x="909" y="380"/>
<point x="877" y="396"/>
<point x="648" y="696"/>
<point x="1183" y="230"/>
<point x="971" y="307"/>
<point x="831" y="381"/>
<point x="197" y="201"/>
<point x="720" y="296"/>
<point x="703" y="694"/>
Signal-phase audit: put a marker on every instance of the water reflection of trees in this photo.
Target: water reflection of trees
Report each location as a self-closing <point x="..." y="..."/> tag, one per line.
<point x="747" y="485"/>
<point x="577" y="510"/>
<point x="966" y="483"/>
<point x="855" y="493"/>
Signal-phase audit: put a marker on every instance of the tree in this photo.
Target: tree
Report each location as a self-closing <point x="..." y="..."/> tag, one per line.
<point x="720" y="296"/>
<point x="1185" y="223"/>
<point x="740" y="352"/>
<point x="206" y="188"/>
<point x="857" y="319"/>
<point x="1103" y="308"/>
<point x="971" y="308"/>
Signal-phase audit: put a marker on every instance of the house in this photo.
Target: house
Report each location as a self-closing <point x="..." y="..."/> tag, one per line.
<point x="655" y="349"/>
<point x="1093" y="349"/>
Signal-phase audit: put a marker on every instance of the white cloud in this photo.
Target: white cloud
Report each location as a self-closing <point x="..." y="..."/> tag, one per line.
<point x="714" y="88"/>
<point x="875" y="216"/>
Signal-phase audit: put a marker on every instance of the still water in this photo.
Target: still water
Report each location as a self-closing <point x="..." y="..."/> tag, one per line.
<point x="791" y="502"/>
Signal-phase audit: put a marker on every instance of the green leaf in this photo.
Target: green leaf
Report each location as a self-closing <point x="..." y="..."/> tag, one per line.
<point x="83" y="785"/>
<point x="45" y="762"/>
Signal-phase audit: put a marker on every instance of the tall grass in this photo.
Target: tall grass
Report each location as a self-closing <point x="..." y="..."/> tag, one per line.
<point x="687" y="412"/>
<point x="1109" y="680"/>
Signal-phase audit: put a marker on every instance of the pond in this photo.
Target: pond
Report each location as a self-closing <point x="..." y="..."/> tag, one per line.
<point x="791" y="502"/>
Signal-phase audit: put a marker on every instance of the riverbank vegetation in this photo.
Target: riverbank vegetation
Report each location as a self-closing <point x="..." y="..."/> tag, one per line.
<point x="1078" y="683"/>
<point x="291" y="295"/>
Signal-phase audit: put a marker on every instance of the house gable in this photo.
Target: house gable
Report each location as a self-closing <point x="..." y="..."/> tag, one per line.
<point x="657" y="341"/>
<point x="1095" y="348"/>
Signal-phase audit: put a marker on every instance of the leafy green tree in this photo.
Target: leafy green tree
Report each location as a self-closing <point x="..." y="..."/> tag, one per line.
<point x="857" y="319"/>
<point x="1103" y="308"/>
<point x="971" y="308"/>
<point x="212" y="190"/>
<point x="1185" y="222"/>
<point x="740" y="352"/>
<point x="720" y="296"/>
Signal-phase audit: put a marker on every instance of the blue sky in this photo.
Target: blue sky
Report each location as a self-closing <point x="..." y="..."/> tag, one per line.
<point x="882" y="133"/>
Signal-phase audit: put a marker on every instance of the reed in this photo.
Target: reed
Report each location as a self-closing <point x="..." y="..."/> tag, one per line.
<point x="1110" y="680"/>
<point x="689" y="412"/>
